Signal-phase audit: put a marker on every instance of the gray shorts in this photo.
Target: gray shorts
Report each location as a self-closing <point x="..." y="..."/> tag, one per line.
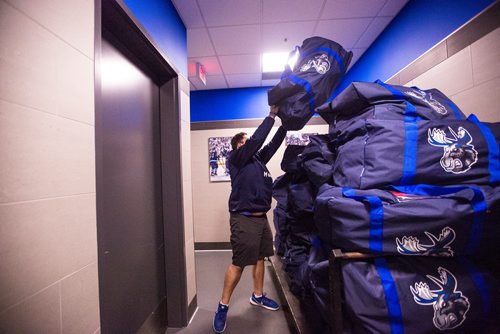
<point x="251" y="239"/>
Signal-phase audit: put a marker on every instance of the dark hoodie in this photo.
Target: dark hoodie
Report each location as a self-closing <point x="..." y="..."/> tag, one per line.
<point x="251" y="182"/>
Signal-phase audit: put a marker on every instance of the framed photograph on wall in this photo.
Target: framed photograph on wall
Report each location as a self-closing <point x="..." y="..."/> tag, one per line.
<point x="218" y="153"/>
<point x="295" y="138"/>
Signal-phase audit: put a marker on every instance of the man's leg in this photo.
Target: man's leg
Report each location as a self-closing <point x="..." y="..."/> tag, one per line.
<point x="231" y="279"/>
<point x="258" y="277"/>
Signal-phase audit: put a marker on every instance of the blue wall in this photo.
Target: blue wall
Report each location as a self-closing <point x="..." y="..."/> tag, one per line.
<point x="163" y="24"/>
<point x="229" y="104"/>
<point x="419" y="26"/>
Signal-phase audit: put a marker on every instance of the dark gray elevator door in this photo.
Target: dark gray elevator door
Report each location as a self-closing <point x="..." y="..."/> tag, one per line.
<point x="131" y="250"/>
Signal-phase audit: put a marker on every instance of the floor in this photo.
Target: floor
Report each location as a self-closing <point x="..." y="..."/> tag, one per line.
<point x="242" y="317"/>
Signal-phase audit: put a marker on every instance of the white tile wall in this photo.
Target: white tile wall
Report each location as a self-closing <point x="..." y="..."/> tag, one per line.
<point x="72" y="21"/>
<point x="471" y="78"/>
<point x="43" y="155"/>
<point x="43" y="242"/>
<point x="486" y="57"/>
<point x="481" y="100"/>
<point x="451" y="76"/>
<point x="48" y="238"/>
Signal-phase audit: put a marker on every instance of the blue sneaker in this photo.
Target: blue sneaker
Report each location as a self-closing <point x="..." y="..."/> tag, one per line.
<point x="264" y="302"/>
<point x="220" y="318"/>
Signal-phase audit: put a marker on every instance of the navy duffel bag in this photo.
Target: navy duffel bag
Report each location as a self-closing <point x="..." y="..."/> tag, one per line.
<point x="419" y="295"/>
<point x="417" y="220"/>
<point x="382" y="101"/>
<point x="317" y="160"/>
<point x="373" y="153"/>
<point x="320" y="67"/>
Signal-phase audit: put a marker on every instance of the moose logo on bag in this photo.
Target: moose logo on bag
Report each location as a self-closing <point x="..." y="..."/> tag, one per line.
<point x="459" y="153"/>
<point x="427" y="98"/>
<point x="450" y="305"/>
<point x="440" y="246"/>
<point x="319" y="62"/>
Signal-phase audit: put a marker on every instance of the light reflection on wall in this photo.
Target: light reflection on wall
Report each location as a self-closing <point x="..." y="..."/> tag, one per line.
<point x="116" y="72"/>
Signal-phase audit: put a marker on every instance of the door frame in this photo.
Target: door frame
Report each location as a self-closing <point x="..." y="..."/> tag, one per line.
<point x="115" y="17"/>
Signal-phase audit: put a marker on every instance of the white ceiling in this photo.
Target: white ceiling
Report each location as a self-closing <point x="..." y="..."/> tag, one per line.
<point x="228" y="37"/>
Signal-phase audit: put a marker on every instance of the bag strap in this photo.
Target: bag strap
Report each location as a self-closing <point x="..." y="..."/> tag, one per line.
<point x="411" y="136"/>
<point x="454" y="108"/>
<point x="376" y="209"/>
<point x="493" y="150"/>
<point x="391" y="296"/>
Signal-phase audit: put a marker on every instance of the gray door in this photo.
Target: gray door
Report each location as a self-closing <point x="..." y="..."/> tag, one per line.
<point x="130" y="226"/>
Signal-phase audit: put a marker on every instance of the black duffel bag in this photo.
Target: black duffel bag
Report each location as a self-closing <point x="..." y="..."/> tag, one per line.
<point x="320" y="67"/>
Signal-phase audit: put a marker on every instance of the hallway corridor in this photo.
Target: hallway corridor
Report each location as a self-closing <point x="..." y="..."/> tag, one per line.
<point x="243" y="318"/>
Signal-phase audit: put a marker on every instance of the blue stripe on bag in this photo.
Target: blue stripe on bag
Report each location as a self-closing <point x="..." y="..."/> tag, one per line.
<point x="479" y="207"/>
<point x="455" y="109"/>
<point x="391" y="296"/>
<point x="376" y="218"/>
<point x="478" y="203"/>
<point x="410" y="145"/>
<point x="493" y="151"/>
<point x="391" y="89"/>
<point x="307" y="87"/>
<point x="482" y="286"/>
<point x="411" y="136"/>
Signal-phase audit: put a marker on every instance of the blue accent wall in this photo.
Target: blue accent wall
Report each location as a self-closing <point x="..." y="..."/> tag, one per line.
<point x="419" y="26"/>
<point x="163" y="24"/>
<point x="229" y="104"/>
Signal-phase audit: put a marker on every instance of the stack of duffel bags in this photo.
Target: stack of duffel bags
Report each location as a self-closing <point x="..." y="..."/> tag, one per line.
<point x="296" y="237"/>
<point x="295" y="233"/>
<point x="416" y="184"/>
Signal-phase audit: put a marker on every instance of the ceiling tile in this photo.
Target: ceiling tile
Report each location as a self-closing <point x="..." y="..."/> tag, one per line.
<point x="237" y="39"/>
<point x="392" y="7"/>
<point x="198" y="43"/>
<point x="243" y="80"/>
<point x="374" y="29"/>
<point x="240" y="64"/>
<point x="189" y="13"/>
<point x="344" y="32"/>
<point x="291" y="10"/>
<point x="356" y="54"/>
<point x="335" y="9"/>
<point x="213" y="82"/>
<point x="273" y="35"/>
<point x="211" y="65"/>
<point x="230" y="12"/>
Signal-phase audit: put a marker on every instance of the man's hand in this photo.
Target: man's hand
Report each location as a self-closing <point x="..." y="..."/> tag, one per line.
<point x="274" y="111"/>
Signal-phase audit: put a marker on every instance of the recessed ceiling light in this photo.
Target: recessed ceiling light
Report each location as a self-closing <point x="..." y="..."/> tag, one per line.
<point x="274" y="61"/>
